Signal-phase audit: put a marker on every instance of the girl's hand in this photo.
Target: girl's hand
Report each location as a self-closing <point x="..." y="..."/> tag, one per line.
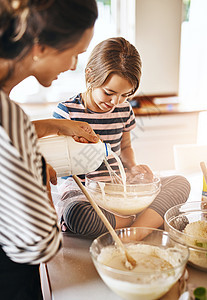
<point x="140" y="173"/>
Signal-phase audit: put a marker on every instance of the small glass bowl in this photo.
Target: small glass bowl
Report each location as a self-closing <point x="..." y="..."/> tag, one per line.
<point x="128" y="200"/>
<point x="143" y="282"/>
<point x="175" y="221"/>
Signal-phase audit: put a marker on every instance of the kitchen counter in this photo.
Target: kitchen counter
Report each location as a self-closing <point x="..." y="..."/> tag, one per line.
<point x="165" y="109"/>
<point x="72" y="275"/>
<point x="45" y="110"/>
<point x="149" y="105"/>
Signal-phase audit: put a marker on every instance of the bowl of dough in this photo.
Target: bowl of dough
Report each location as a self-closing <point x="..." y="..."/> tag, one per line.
<point x="160" y="262"/>
<point x="122" y="199"/>
<point x="187" y="223"/>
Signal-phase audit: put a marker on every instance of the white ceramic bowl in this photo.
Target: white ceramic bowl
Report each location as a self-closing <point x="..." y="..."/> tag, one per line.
<point x="149" y="247"/>
<point x="176" y="220"/>
<point x="114" y="198"/>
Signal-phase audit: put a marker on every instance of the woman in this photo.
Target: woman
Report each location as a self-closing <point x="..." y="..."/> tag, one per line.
<point x="43" y="39"/>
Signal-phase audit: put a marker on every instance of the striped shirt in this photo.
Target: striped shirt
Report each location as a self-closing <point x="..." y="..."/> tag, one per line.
<point x="28" y="223"/>
<point x="108" y="125"/>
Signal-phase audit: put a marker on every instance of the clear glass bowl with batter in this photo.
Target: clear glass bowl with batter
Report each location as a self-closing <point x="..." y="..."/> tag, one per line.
<point x="119" y="199"/>
<point x="187" y="223"/>
<point x="160" y="262"/>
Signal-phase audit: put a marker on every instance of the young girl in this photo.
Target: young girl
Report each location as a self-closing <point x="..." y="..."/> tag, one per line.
<point x="112" y="75"/>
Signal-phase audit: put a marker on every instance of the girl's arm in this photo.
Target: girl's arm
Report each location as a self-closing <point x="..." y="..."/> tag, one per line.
<point x="129" y="161"/>
<point x="149" y="217"/>
<point x="127" y="153"/>
<point x="80" y="131"/>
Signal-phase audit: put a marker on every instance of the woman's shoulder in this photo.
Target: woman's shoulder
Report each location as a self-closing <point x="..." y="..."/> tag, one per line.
<point x="9" y="109"/>
<point x="15" y="121"/>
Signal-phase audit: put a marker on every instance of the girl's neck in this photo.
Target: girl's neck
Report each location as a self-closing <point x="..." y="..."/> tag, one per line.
<point x="89" y="102"/>
<point x="86" y="98"/>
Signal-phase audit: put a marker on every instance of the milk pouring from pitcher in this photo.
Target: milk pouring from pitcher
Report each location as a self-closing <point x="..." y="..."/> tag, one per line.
<point x="69" y="157"/>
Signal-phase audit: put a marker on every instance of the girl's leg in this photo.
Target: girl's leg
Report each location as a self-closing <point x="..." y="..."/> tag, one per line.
<point x="174" y="190"/>
<point x="81" y="219"/>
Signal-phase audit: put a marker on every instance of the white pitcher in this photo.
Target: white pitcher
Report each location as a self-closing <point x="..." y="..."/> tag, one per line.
<point x="69" y="157"/>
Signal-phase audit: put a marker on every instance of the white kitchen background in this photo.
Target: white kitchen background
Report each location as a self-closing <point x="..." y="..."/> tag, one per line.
<point x="171" y="38"/>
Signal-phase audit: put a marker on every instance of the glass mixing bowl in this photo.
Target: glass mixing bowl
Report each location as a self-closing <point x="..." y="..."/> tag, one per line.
<point x="187" y="223"/>
<point x="114" y="197"/>
<point x="160" y="262"/>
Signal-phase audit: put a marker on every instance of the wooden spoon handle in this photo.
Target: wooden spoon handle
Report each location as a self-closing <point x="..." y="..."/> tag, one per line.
<point x="130" y="261"/>
<point x="99" y="212"/>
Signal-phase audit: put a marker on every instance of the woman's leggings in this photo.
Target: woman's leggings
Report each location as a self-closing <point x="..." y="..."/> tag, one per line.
<point x="81" y="219"/>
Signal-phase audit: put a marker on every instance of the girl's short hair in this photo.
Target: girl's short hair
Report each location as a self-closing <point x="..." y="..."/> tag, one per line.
<point x="113" y="56"/>
<point x="55" y="23"/>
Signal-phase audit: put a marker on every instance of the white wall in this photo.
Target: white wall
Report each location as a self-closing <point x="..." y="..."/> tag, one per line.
<point x="154" y="137"/>
<point x="158" y="30"/>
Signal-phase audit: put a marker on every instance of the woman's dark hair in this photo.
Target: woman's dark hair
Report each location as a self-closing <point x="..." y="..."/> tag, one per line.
<point x="55" y="23"/>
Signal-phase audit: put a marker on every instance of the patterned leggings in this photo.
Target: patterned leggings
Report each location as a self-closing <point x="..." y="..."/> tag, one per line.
<point x="81" y="219"/>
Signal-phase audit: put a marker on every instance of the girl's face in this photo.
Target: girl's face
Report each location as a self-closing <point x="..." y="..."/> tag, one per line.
<point x="114" y="91"/>
<point x="51" y="62"/>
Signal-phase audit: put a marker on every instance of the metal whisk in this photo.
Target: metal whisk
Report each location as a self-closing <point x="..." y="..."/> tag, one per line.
<point x="115" y="178"/>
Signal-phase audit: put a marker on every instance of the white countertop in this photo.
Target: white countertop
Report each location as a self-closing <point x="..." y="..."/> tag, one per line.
<point x="73" y="275"/>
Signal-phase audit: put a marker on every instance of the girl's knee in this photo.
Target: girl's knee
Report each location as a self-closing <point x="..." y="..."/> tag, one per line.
<point x="183" y="184"/>
<point x="176" y="182"/>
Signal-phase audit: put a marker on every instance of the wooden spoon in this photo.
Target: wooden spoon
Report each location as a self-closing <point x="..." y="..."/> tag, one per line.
<point x="204" y="170"/>
<point x="130" y="262"/>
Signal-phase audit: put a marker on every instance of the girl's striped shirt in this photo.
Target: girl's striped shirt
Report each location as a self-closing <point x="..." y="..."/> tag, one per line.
<point x="28" y="223"/>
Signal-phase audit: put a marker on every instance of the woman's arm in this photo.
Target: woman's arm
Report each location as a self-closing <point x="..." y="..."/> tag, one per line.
<point x="80" y="131"/>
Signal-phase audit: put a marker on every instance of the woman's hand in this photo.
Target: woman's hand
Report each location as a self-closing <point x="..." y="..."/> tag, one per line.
<point x="80" y="131"/>
<point x="139" y="173"/>
<point x="51" y="177"/>
<point x="84" y="133"/>
<point x="51" y="174"/>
